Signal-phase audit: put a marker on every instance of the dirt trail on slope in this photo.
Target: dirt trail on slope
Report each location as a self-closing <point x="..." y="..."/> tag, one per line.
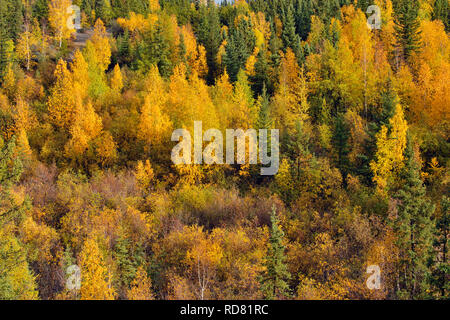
<point x="81" y="39"/>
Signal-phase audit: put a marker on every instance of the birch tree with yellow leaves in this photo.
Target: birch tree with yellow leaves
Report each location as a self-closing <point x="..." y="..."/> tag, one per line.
<point x="59" y="15"/>
<point x="61" y="103"/>
<point x="95" y="278"/>
<point x="391" y="144"/>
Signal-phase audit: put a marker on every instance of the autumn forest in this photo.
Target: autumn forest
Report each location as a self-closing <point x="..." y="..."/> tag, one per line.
<point x="93" y="208"/>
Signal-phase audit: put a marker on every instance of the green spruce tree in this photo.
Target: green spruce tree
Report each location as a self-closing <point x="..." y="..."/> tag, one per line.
<point x="128" y="260"/>
<point x="441" y="268"/>
<point x="341" y="135"/>
<point x="264" y="121"/>
<point x="407" y="24"/>
<point x="441" y="11"/>
<point x="240" y="44"/>
<point x="274" y="280"/>
<point x="414" y="229"/>
<point x="262" y="77"/>
<point x="210" y="37"/>
<point x="289" y="32"/>
<point x="40" y="10"/>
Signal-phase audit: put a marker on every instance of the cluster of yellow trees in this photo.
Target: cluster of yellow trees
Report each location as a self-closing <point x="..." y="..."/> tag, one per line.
<point x="94" y="140"/>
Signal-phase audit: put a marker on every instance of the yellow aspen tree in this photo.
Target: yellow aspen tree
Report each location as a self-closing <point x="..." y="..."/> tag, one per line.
<point x="154" y="6"/>
<point x="154" y="124"/>
<point x="135" y="24"/>
<point x="58" y="16"/>
<point x="358" y="133"/>
<point x="4" y="103"/>
<point x="105" y="148"/>
<point x="144" y="174"/>
<point x="6" y="132"/>
<point x="383" y="166"/>
<point x="261" y="29"/>
<point x="390" y="148"/>
<point x="80" y="73"/>
<point x="180" y="288"/>
<point x="291" y="96"/>
<point x="243" y="113"/>
<point x="24" y="116"/>
<point x="86" y="127"/>
<point x="222" y="49"/>
<point x="387" y="31"/>
<point x="285" y="181"/>
<point x="189" y="175"/>
<point x="302" y="93"/>
<point x="405" y="85"/>
<point x="178" y="96"/>
<point x="116" y="80"/>
<point x="200" y="66"/>
<point x="361" y="43"/>
<point x="95" y="279"/>
<point x="399" y="128"/>
<point x="250" y="63"/>
<point x="189" y="101"/>
<point x="141" y="286"/>
<point x="27" y="40"/>
<point x="289" y="69"/>
<point x="9" y="82"/>
<point x="195" y="53"/>
<point x="39" y="240"/>
<point x="203" y="260"/>
<point x="61" y="103"/>
<point x="221" y="93"/>
<point x="29" y="89"/>
<point x="242" y="5"/>
<point x="17" y="281"/>
<point x="101" y="44"/>
<point x="431" y="99"/>
<point x="204" y="108"/>
<point x="348" y="79"/>
<point x="23" y="146"/>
